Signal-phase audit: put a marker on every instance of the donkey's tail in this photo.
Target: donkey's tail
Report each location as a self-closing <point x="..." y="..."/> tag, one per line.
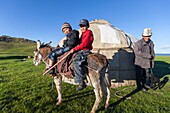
<point x="107" y="80"/>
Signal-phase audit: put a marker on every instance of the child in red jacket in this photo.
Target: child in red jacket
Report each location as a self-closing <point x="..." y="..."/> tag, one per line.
<point x="83" y="49"/>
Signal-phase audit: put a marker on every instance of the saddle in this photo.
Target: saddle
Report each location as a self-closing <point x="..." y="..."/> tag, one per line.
<point x="65" y="65"/>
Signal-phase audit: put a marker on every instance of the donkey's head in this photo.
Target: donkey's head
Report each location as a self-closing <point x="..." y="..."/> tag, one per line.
<point x="41" y="52"/>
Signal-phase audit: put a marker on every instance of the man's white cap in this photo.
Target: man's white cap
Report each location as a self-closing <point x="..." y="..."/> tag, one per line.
<point x="147" y="32"/>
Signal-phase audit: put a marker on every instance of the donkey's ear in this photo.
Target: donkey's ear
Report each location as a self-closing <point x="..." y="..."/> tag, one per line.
<point x="38" y="44"/>
<point x="49" y="43"/>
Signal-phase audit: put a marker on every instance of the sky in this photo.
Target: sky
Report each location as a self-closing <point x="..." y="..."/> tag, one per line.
<point x="42" y="19"/>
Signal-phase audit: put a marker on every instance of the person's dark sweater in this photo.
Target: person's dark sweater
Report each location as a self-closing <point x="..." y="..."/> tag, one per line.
<point x="72" y="39"/>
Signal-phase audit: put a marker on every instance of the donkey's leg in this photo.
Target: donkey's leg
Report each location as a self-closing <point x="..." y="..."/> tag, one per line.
<point x="58" y="83"/>
<point x="97" y="90"/>
<point x="105" y="84"/>
<point x="107" y="97"/>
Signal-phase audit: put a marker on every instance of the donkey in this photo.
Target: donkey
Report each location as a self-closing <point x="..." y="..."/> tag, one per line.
<point x="98" y="79"/>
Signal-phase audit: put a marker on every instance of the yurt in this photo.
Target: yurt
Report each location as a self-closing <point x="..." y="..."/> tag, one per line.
<point x="118" y="47"/>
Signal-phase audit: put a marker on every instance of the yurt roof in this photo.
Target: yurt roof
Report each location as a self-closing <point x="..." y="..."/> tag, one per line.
<point x="108" y="36"/>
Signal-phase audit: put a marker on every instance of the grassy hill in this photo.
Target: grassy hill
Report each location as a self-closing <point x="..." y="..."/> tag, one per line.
<point x="10" y="46"/>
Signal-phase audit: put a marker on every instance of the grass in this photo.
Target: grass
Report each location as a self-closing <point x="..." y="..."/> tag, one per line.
<point x="23" y="89"/>
<point x="16" y="48"/>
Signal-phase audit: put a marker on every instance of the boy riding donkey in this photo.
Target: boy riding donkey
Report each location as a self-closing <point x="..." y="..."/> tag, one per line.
<point x="83" y="49"/>
<point x="66" y="44"/>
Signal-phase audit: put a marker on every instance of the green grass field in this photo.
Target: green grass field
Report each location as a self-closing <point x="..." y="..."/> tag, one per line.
<point x="16" y="48"/>
<point x="23" y="89"/>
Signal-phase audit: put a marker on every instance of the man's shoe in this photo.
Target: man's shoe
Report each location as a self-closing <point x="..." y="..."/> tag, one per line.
<point x="144" y="89"/>
<point x="147" y="86"/>
<point x="51" y="71"/>
<point x="81" y="86"/>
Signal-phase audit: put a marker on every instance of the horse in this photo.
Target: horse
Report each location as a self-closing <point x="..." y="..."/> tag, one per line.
<point x="98" y="79"/>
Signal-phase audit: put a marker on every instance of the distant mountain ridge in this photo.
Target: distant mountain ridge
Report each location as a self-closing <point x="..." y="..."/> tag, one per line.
<point x="12" y="46"/>
<point x="5" y="38"/>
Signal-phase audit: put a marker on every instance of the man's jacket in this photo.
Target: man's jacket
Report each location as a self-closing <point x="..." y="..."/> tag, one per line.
<point x="72" y="39"/>
<point x="86" y="41"/>
<point x="144" y="54"/>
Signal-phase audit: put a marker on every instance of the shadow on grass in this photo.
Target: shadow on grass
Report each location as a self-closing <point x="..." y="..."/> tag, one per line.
<point x="12" y="57"/>
<point x="113" y="105"/>
<point x="78" y="95"/>
<point x="161" y="69"/>
<point x="162" y="83"/>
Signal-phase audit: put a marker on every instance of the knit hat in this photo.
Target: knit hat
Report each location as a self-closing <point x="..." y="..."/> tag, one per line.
<point x="65" y="25"/>
<point x="147" y="32"/>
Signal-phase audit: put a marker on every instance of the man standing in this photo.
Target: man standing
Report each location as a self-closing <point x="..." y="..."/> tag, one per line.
<point x="144" y="60"/>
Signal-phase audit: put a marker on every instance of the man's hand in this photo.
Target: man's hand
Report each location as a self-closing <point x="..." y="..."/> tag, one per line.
<point x="72" y="51"/>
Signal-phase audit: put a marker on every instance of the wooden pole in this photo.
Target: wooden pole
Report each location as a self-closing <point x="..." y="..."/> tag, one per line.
<point x="57" y="63"/>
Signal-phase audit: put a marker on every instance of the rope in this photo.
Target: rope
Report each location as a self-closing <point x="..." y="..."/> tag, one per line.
<point x="45" y="57"/>
<point x="45" y="62"/>
<point x="116" y="94"/>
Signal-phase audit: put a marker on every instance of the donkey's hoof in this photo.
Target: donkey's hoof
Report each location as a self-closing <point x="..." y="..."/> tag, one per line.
<point x="106" y="106"/>
<point x="58" y="103"/>
<point x="92" y="112"/>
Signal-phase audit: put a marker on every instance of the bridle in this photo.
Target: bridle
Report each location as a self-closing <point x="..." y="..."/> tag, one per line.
<point x="43" y="59"/>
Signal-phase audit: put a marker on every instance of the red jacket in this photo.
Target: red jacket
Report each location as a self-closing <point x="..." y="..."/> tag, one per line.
<point x="86" y="41"/>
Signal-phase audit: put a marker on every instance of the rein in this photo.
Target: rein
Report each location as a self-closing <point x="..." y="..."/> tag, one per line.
<point x="44" y="60"/>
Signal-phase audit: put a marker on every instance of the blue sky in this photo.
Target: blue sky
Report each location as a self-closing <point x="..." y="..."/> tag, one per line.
<point x="42" y="19"/>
